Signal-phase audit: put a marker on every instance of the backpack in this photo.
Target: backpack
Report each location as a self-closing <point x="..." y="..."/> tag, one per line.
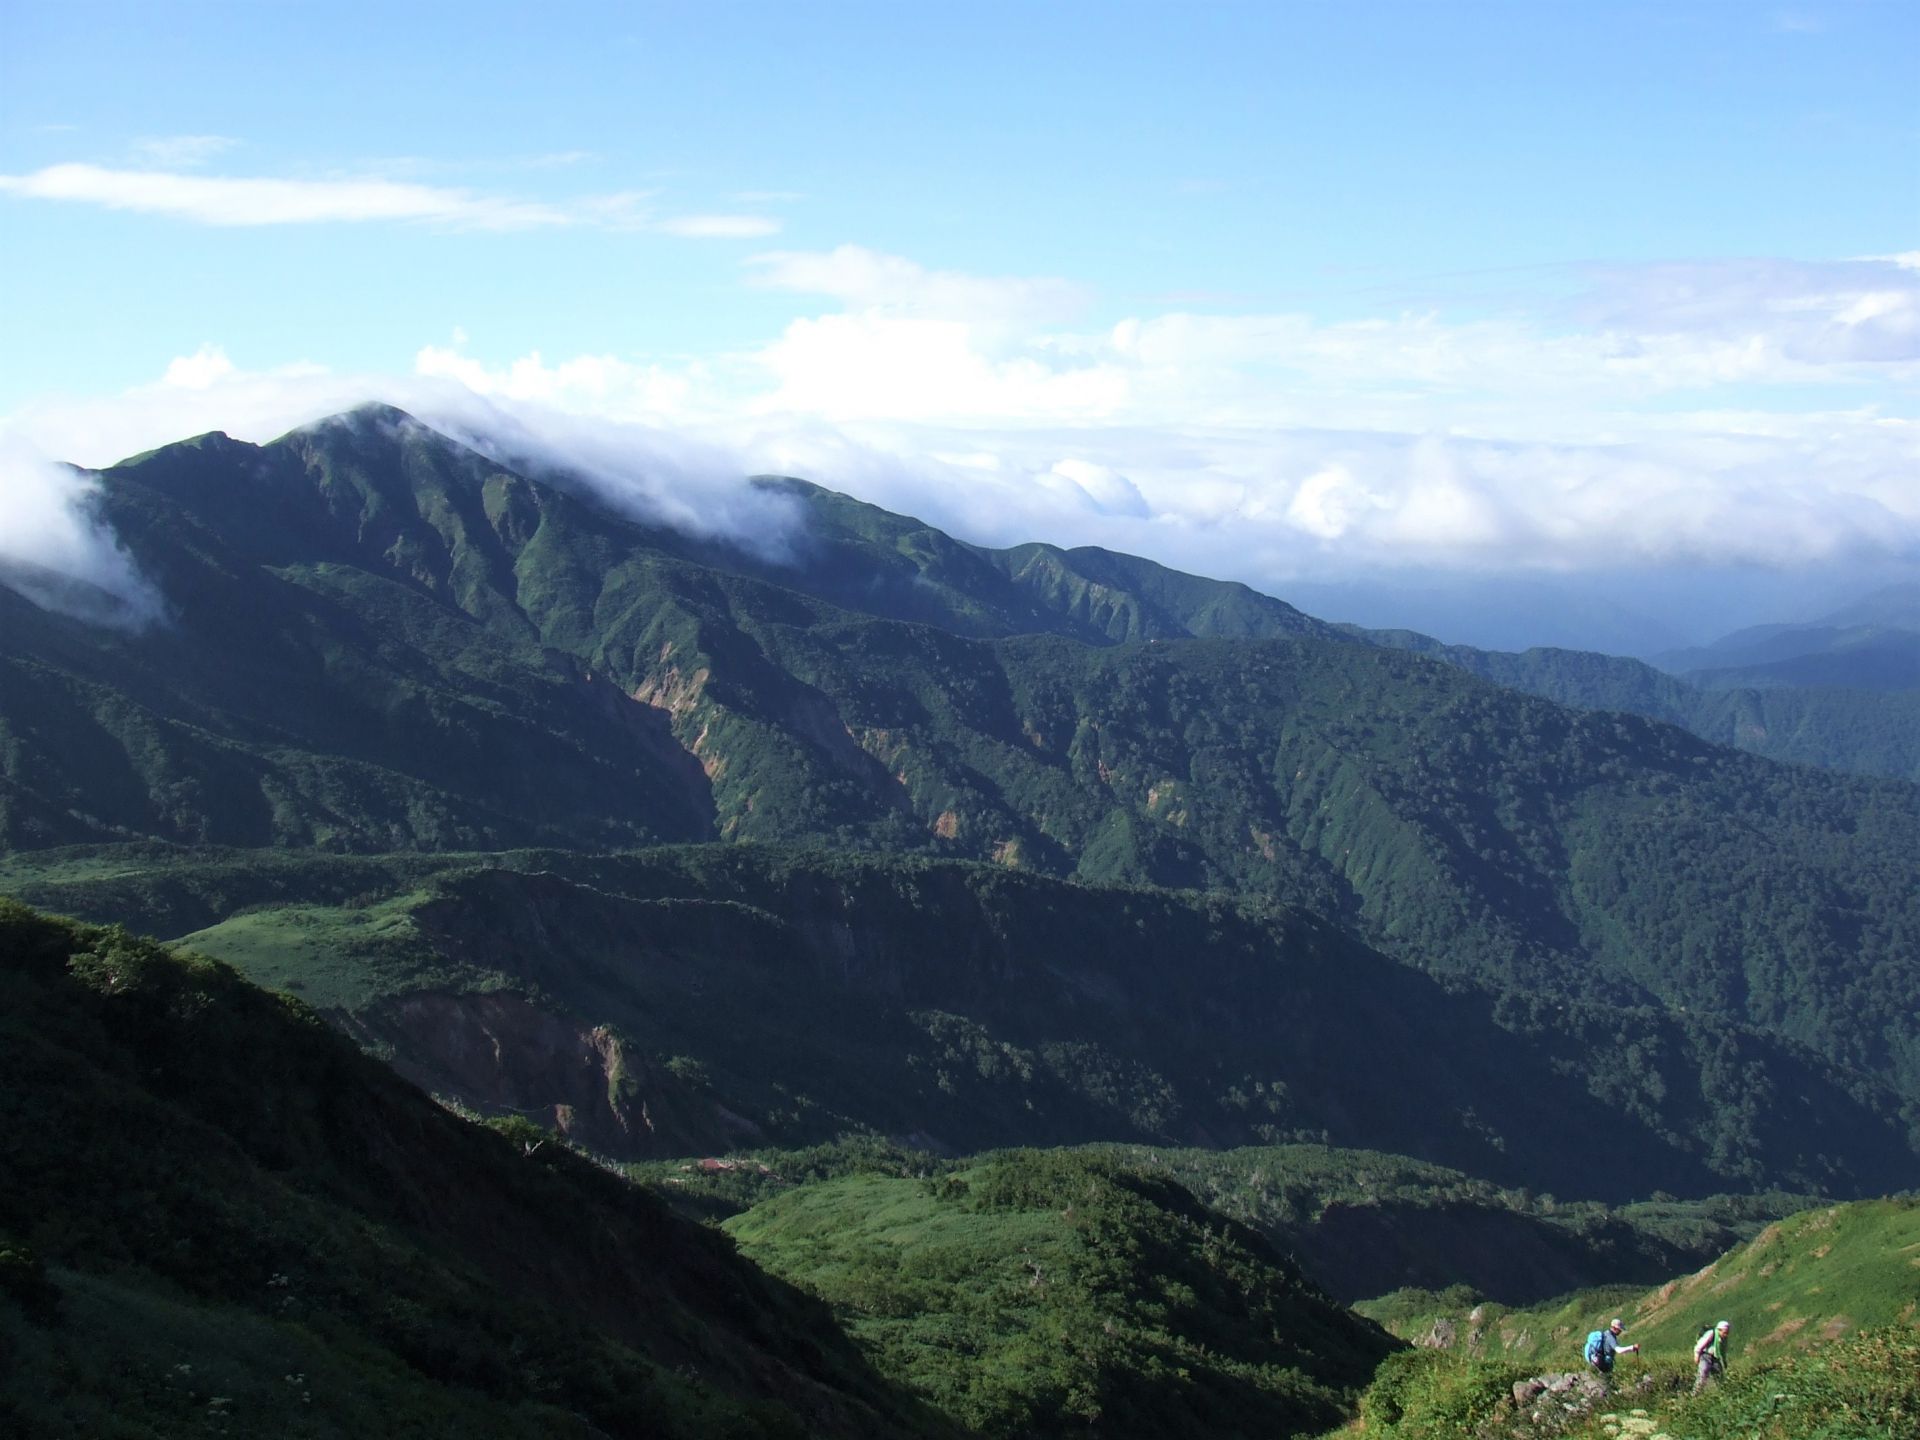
<point x="1594" y="1352"/>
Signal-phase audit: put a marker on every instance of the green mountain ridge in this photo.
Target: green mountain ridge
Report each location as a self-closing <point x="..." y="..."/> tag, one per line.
<point x="381" y="640"/>
<point x="1831" y="712"/>
<point x="712" y="998"/>
<point x="1870" y="642"/>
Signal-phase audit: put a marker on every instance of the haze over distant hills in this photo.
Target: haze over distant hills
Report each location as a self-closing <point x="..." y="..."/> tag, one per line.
<point x="1872" y="644"/>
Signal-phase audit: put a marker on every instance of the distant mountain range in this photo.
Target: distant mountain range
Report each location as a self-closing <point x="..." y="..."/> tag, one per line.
<point x="866" y="852"/>
<point x="381" y="640"/>
<point x="1856" y="720"/>
<point x="1873" y="644"/>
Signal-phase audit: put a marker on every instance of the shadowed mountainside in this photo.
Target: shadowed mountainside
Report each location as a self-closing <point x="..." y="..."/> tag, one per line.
<point x="206" y="1191"/>
<point x="711" y="998"/>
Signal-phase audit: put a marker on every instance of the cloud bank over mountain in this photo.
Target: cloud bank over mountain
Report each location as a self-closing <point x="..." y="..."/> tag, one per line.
<point x="1708" y="418"/>
<point x="55" y="551"/>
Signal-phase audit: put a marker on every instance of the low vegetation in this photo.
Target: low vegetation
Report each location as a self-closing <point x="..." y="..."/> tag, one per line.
<point x="1825" y="1342"/>
<point x="1042" y="1292"/>
<point x="1415" y="1243"/>
<point x="1864" y="1386"/>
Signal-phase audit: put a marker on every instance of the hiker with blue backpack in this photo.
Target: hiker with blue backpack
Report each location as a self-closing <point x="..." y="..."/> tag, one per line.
<point x="1603" y="1345"/>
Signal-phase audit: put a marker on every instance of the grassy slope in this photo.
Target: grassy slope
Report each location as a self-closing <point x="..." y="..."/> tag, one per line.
<point x="1825" y="1343"/>
<point x="1040" y="1292"/>
<point x="1865" y="1386"/>
<point x="1814" y="1276"/>
<point x="206" y="1191"/>
<point x="1358" y="1223"/>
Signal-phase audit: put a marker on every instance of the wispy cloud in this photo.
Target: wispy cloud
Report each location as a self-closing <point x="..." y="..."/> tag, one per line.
<point x="266" y="201"/>
<point x="719" y="227"/>
<point x="182" y="152"/>
<point x="556" y="160"/>
<point x="1833" y="312"/>
<point x="213" y="200"/>
<point x="864" y="279"/>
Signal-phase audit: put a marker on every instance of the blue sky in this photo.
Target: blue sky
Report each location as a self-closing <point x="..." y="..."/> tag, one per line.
<point x="1343" y="295"/>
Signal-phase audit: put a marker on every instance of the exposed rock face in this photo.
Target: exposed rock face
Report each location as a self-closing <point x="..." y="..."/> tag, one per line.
<point x="502" y="1053"/>
<point x="1562" y="1393"/>
<point x="1552" y="1401"/>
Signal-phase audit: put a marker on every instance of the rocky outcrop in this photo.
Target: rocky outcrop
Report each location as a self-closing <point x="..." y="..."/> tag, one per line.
<point x="501" y="1054"/>
<point x="1550" y="1403"/>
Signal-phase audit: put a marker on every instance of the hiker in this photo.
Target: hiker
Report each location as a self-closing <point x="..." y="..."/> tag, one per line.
<point x="1711" y="1352"/>
<point x="1603" y="1346"/>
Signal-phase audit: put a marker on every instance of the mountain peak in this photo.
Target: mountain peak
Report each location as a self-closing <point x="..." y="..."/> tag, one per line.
<point x="373" y="416"/>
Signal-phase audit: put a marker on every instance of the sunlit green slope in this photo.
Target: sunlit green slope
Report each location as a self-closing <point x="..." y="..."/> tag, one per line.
<point x="1043" y="1292"/>
<point x="1824" y="1345"/>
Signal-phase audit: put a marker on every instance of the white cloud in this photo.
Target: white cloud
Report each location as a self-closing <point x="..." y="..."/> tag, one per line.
<point x="719" y="227"/>
<point x="920" y="344"/>
<point x="1103" y="488"/>
<point x="585" y="384"/>
<point x="194" y="394"/>
<point x="866" y="279"/>
<point x="262" y="201"/>
<point x="1328" y="502"/>
<point x="1644" y="426"/>
<point x="54" y="549"/>
<point x="182" y="152"/>
<point x="205" y="367"/>
<point x="911" y="344"/>
<point x="898" y="367"/>
<point x="213" y="200"/>
<point x="1798" y="313"/>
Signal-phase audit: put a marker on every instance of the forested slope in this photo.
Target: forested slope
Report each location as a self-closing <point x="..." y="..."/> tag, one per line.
<point x="381" y="640"/>
<point x="1834" y="719"/>
<point x="707" y="998"/>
